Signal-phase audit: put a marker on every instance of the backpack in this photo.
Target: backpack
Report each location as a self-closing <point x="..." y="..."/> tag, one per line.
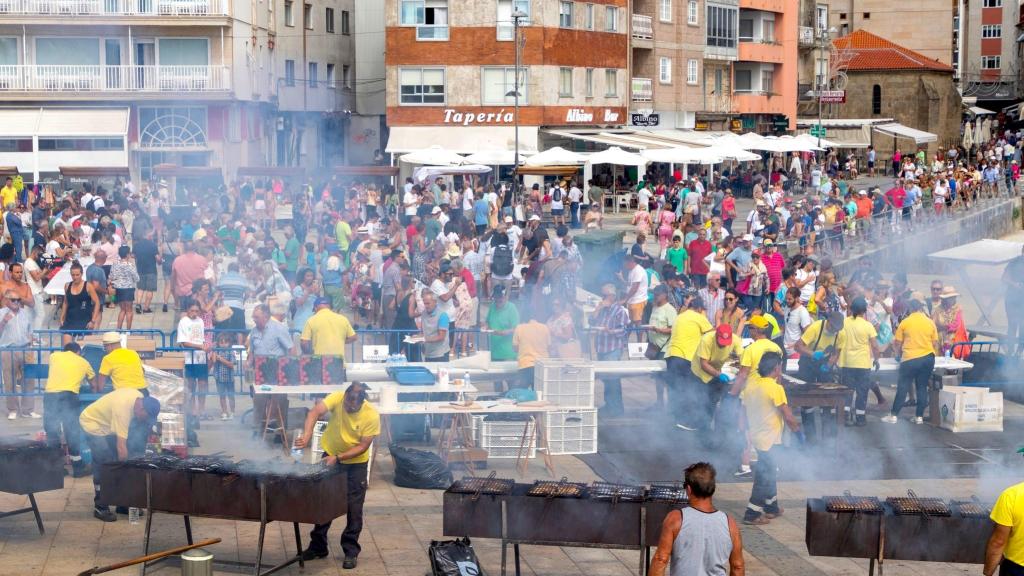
<point x="557" y="194"/>
<point x="502" y="262"/>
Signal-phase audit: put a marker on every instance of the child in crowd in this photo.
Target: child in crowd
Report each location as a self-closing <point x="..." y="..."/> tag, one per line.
<point x="223" y="366"/>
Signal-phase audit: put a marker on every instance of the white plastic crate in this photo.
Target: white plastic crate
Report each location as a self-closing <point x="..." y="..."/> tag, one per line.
<point x="565" y="382"/>
<point x="571" y="431"/>
<point x="504" y="439"/>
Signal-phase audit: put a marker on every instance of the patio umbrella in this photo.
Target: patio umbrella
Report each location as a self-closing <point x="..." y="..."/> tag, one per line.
<point x="731" y="152"/>
<point x="986" y="130"/>
<point x="433" y="156"/>
<point x="681" y="155"/>
<point x="493" y="157"/>
<point x="424" y="173"/>
<point x="618" y="156"/>
<point x="556" y="156"/>
<point x="968" y="139"/>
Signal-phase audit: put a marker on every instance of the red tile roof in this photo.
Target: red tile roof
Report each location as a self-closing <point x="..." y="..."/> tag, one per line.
<point x="865" y="51"/>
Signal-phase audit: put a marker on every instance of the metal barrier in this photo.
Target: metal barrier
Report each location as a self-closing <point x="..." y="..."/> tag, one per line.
<point x="54" y="338"/>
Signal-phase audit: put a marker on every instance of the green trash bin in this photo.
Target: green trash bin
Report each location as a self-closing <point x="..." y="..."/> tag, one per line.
<point x="596" y="247"/>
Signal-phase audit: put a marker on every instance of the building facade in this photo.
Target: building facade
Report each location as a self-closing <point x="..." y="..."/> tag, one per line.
<point x="203" y="83"/>
<point x="901" y="23"/>
<point x="987" y="57"/>
<point x="765" y="74"/>
<point x="451" y="77"/>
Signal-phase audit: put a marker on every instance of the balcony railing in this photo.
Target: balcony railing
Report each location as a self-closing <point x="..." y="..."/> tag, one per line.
<point x="643" y="90"/>
<point x="806" y="36"/>
<point x="115" y="7"/>
<point x="643" y="27"/>
<point x="45" y="78"/>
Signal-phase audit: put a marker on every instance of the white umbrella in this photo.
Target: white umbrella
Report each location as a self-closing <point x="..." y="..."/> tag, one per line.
<point x="681" y="155"/>
<point x="424" y="173"/>
<point x="493" y="157"/>
<point x="556" y="156"/>
<point x="986" y="130"/>
<point x="618" y="156"/>
<point x="968" y="140"/>
<point x="433" y="156"/>
<point x="977" y="133"/>
<point x="731" y="152"/>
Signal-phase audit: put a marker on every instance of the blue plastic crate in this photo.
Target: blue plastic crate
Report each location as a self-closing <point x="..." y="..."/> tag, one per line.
<point x="411" y="375"/>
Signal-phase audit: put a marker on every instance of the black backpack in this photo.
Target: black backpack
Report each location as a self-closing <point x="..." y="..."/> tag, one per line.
<point x="557" y="194"/>
<point x="502" y="262"/>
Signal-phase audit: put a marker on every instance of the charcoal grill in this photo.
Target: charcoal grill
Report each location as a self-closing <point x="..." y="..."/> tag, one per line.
<point x="673" y="492"/>
<point x="616" y="492"/>
<point x="970" y="508"/>
<point x="560" y="489"/>
<point x="490" y="485"/>
<point x="921" y="529"/>
<point x="211" y="487"/>
<point x="26" y="467"/>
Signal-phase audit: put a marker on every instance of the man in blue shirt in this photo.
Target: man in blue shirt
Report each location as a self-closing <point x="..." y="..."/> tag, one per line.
<point x="481" y="209"/>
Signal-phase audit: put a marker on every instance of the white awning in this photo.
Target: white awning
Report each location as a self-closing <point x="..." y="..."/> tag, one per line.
<point x="979" y="111"/>
<point x="844" y="136"/>
<point x="895" y="129"/>
<point x="65" y="122"/>
<point x="460" y="139"/>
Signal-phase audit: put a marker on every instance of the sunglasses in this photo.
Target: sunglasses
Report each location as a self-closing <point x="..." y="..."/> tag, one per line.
<point x="18" y="300"/>
<point x="730" y="299"/>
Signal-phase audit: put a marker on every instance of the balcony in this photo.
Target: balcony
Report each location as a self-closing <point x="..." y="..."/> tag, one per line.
<point x="112" y="79"/>
<point x="759" y="50"/>
<point x="643" y="31"/>
<point x="758" y="102"/>
<point x="114" y="7"/>
<point x="642" y="89"/>
<point x="806" y="38"/>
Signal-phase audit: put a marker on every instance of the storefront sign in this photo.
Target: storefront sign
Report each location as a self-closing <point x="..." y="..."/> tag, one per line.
<point x="452" y="116"/>
<point x="833" y="97"/>
<point x="736" y="125"/>
<point x="701" y="126"/>
<point x="585" y="115"/>
<point x="645" y="119"/>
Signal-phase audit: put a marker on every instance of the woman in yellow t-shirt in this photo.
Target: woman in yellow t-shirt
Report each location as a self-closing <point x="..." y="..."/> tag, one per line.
<point x="858" y="356"/>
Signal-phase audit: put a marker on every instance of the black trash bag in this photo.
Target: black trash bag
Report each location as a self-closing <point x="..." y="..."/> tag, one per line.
<point x="453" y="558"/>
<point x="420" y="469"/>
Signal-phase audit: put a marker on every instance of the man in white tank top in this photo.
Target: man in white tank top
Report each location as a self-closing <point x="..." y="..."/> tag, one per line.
<point x="699" y="540"/>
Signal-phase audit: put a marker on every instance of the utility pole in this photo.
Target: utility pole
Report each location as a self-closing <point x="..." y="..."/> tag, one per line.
<point x="517" y="15"/>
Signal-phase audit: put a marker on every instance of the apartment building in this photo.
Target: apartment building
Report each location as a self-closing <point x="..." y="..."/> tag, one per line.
<point x="765" y="74"/>
<point x="451" y="75"/>
<point x="987" y="64"/>
<point x="216" y="84"/>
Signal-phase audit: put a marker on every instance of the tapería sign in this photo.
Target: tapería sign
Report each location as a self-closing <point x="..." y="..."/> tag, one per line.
<point x="452" y="116"/>
<point x="584" y="115"/>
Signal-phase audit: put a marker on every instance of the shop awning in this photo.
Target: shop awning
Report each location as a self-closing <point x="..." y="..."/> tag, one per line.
<point x="64" y="122"/>
<point x="460" y="139"/>
<point x="174" y="171"/>
<point x="844" y="136"/>
<point x="366" y="170"/>
<point x="94" y="172"/>
<point x="897" y="130"/>
<point x="272" y="171"/>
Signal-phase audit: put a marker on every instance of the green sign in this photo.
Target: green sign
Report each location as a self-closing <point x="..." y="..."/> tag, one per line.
<point x="818" y="130"/>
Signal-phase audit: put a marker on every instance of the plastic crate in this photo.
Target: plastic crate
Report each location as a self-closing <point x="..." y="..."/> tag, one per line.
<point x="565" y="382"/>
<point x="504" y="438"/>
<point x="571" y="431"/>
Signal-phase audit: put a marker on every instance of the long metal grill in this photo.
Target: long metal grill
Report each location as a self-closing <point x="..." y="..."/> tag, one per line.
<point x="477" y="485"/>
<point x="847" y="503"/>
<point x="673" y="492"/>
<point x="616" y="492"/>
<point x="912" y="504"/>
<point x="970" y="508"/>
<point x="560" y="489"/>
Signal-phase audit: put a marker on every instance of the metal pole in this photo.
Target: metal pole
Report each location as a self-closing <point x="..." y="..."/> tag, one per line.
<point x="515" y="89"/>
<point x="821" y="82"/>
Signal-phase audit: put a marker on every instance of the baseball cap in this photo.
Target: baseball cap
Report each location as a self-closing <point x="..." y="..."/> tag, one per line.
<point x="111" y="338"/>
<point x="321" y="301"/>
<point x="862" y="192"/>
<point x="436" y="210"/>
<point x="747" y="238"/>
<point x="768" y="242"/>
<point x="534" y="218"/>
<point x="723" y="334"/>
<point x="758" y="322"/>
<point x="152" y="406"/>
<point x="508" y="219"/>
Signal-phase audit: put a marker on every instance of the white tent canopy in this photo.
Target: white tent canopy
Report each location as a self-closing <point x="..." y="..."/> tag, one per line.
<point x="682" y="156"/>
<point x="731" y="151"/>
<point x="494" y="157"/>
<point x="556" y="156"/>
<point x="424" y="173"/>
<point x="895" y="129"/>
<point x="433" y="156"/>
<point x="616" y="155"/>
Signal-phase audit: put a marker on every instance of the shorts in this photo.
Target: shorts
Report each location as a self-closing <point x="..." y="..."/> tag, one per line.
<point x="636" y="311"/>
<point x="147" y="282"/>
<point x="124" y="294"/>
<point x="557" y="211"/>
<point x="871" y="164"/>
<point x="225" y="387"/>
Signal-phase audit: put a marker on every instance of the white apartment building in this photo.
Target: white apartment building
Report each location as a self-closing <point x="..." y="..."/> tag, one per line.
<point x="207" y="86"/>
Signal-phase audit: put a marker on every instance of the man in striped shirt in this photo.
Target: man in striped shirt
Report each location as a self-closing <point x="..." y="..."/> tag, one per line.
<point x="609" y="323"/>
<point x="713" y="296"/>
<point x="233" y="288"/>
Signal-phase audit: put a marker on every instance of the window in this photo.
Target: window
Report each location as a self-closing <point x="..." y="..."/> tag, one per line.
<point x="611" y="83"/>
<point x="746" y="29"/>
<point x="691" y="72"/>
<point x="506" y="27"/>
<point x="611" y="19"/>
<point x="867" y="15"/>
<point x="329" y="20"/>
<point x="768" y="30"/>
<point x="743" y="81"/>
<point x="821" y="17"/>
<point x="691" y="12"/>
<point x="767" y="81"/>
<point x="289" y="72"/>
<point x="665" y="10"/>
<point x="718" y="81"/>
<point x="346" y="76"/>
<point x="421" y="86"/>
<point x="990" y="62"/>
<point x="565" y="14"/>
<point x="8" y="51"/>
<point x="68" y="51"/>
<point x="992" y="31"/>
<point x="74" y="144"/>
<point x="842" y="15"/>
<point x="588" y="16"/>
<point x="665" y="70"/>
<point x="992" y="3"/>
<point x="345" y="23"/>
<point x="429" y="16"/>
<point x="588" y="83"/>
<point x="565" y="82"/>
<point x="721" y="26"/>
<point x="499" y="83"/>
<point x="876" y="99"/>
<point x="330" y="76"/>
<point x="183" y="52"/>
<point x="311" y="75"/>
<point x="307" y="16"/>
<point x="289" y="14"/>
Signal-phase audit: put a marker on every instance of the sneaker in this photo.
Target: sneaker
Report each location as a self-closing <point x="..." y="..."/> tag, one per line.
<point x="773" y="515"/>
<point x="310" y="554"/>
<point x="759" y="521"/>
<point x="224" y="416"/>
<point x="231" y="415"/>
<point x="81" y="471"/>
<point x="104" y="514"/>
<point x="349" y="563"/>
<point x="743" y="472"/>
<point x="33" y="416"/>
<point x="685" y="427"/>
<point x="890" y="419"/>
<point x="918" y="420"/>
<point x="12" y="415"/>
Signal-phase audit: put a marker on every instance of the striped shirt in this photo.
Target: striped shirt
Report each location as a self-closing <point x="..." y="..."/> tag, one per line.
<point x="712" y="304"/>
<point x="234" y="286"/>
<point x="614" y="319"/>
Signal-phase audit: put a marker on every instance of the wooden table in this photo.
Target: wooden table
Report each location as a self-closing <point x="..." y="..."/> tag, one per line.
<point x="820" y="396"/>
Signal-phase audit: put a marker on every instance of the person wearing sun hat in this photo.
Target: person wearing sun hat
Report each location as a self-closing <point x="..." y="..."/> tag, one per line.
<point x="121" y="365"/>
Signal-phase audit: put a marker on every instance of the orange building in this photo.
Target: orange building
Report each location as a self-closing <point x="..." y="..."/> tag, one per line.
<point x="765" y="75"/>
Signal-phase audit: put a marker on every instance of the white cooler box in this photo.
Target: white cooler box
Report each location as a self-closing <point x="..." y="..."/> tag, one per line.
<point x="969" y="409"/>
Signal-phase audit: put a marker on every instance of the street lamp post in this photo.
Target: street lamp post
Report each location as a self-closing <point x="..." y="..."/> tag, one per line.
<point x="517" y="15"/>
<point x="823" y="76"/>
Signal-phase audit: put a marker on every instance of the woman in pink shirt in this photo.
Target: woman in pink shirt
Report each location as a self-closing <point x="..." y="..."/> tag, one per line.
<point x="774" y="262"/>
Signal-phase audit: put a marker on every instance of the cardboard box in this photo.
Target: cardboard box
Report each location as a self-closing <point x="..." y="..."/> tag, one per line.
<point x="968" y="409"/>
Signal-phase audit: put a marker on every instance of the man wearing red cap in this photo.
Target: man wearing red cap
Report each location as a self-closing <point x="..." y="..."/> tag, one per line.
<point x="714" y="350"/>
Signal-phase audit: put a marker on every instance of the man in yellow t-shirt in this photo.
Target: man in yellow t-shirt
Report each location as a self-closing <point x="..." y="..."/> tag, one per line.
<point x="326" y="332"/>
<point x="916" y="341"/>
<point x="759" y="328"/>
<point x="351" y="429"/>
<point x="60" y="402"/>
<point x="8" y="194"/>
<point x="767" y="412"/>
<point x="714" y="350"/>
<point x="531" y="341"/>
<point x="858" y="356"/>
<point x="1005" y="548"/>
<point x="689" y="326"/>
<point x="121" y="365"/>
<point x="115" y="428"/>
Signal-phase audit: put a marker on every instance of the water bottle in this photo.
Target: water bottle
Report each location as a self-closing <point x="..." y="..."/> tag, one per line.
<point x="296" y="451"/>
<point x="133" y="516"/>
<point x="465" y="384"/>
